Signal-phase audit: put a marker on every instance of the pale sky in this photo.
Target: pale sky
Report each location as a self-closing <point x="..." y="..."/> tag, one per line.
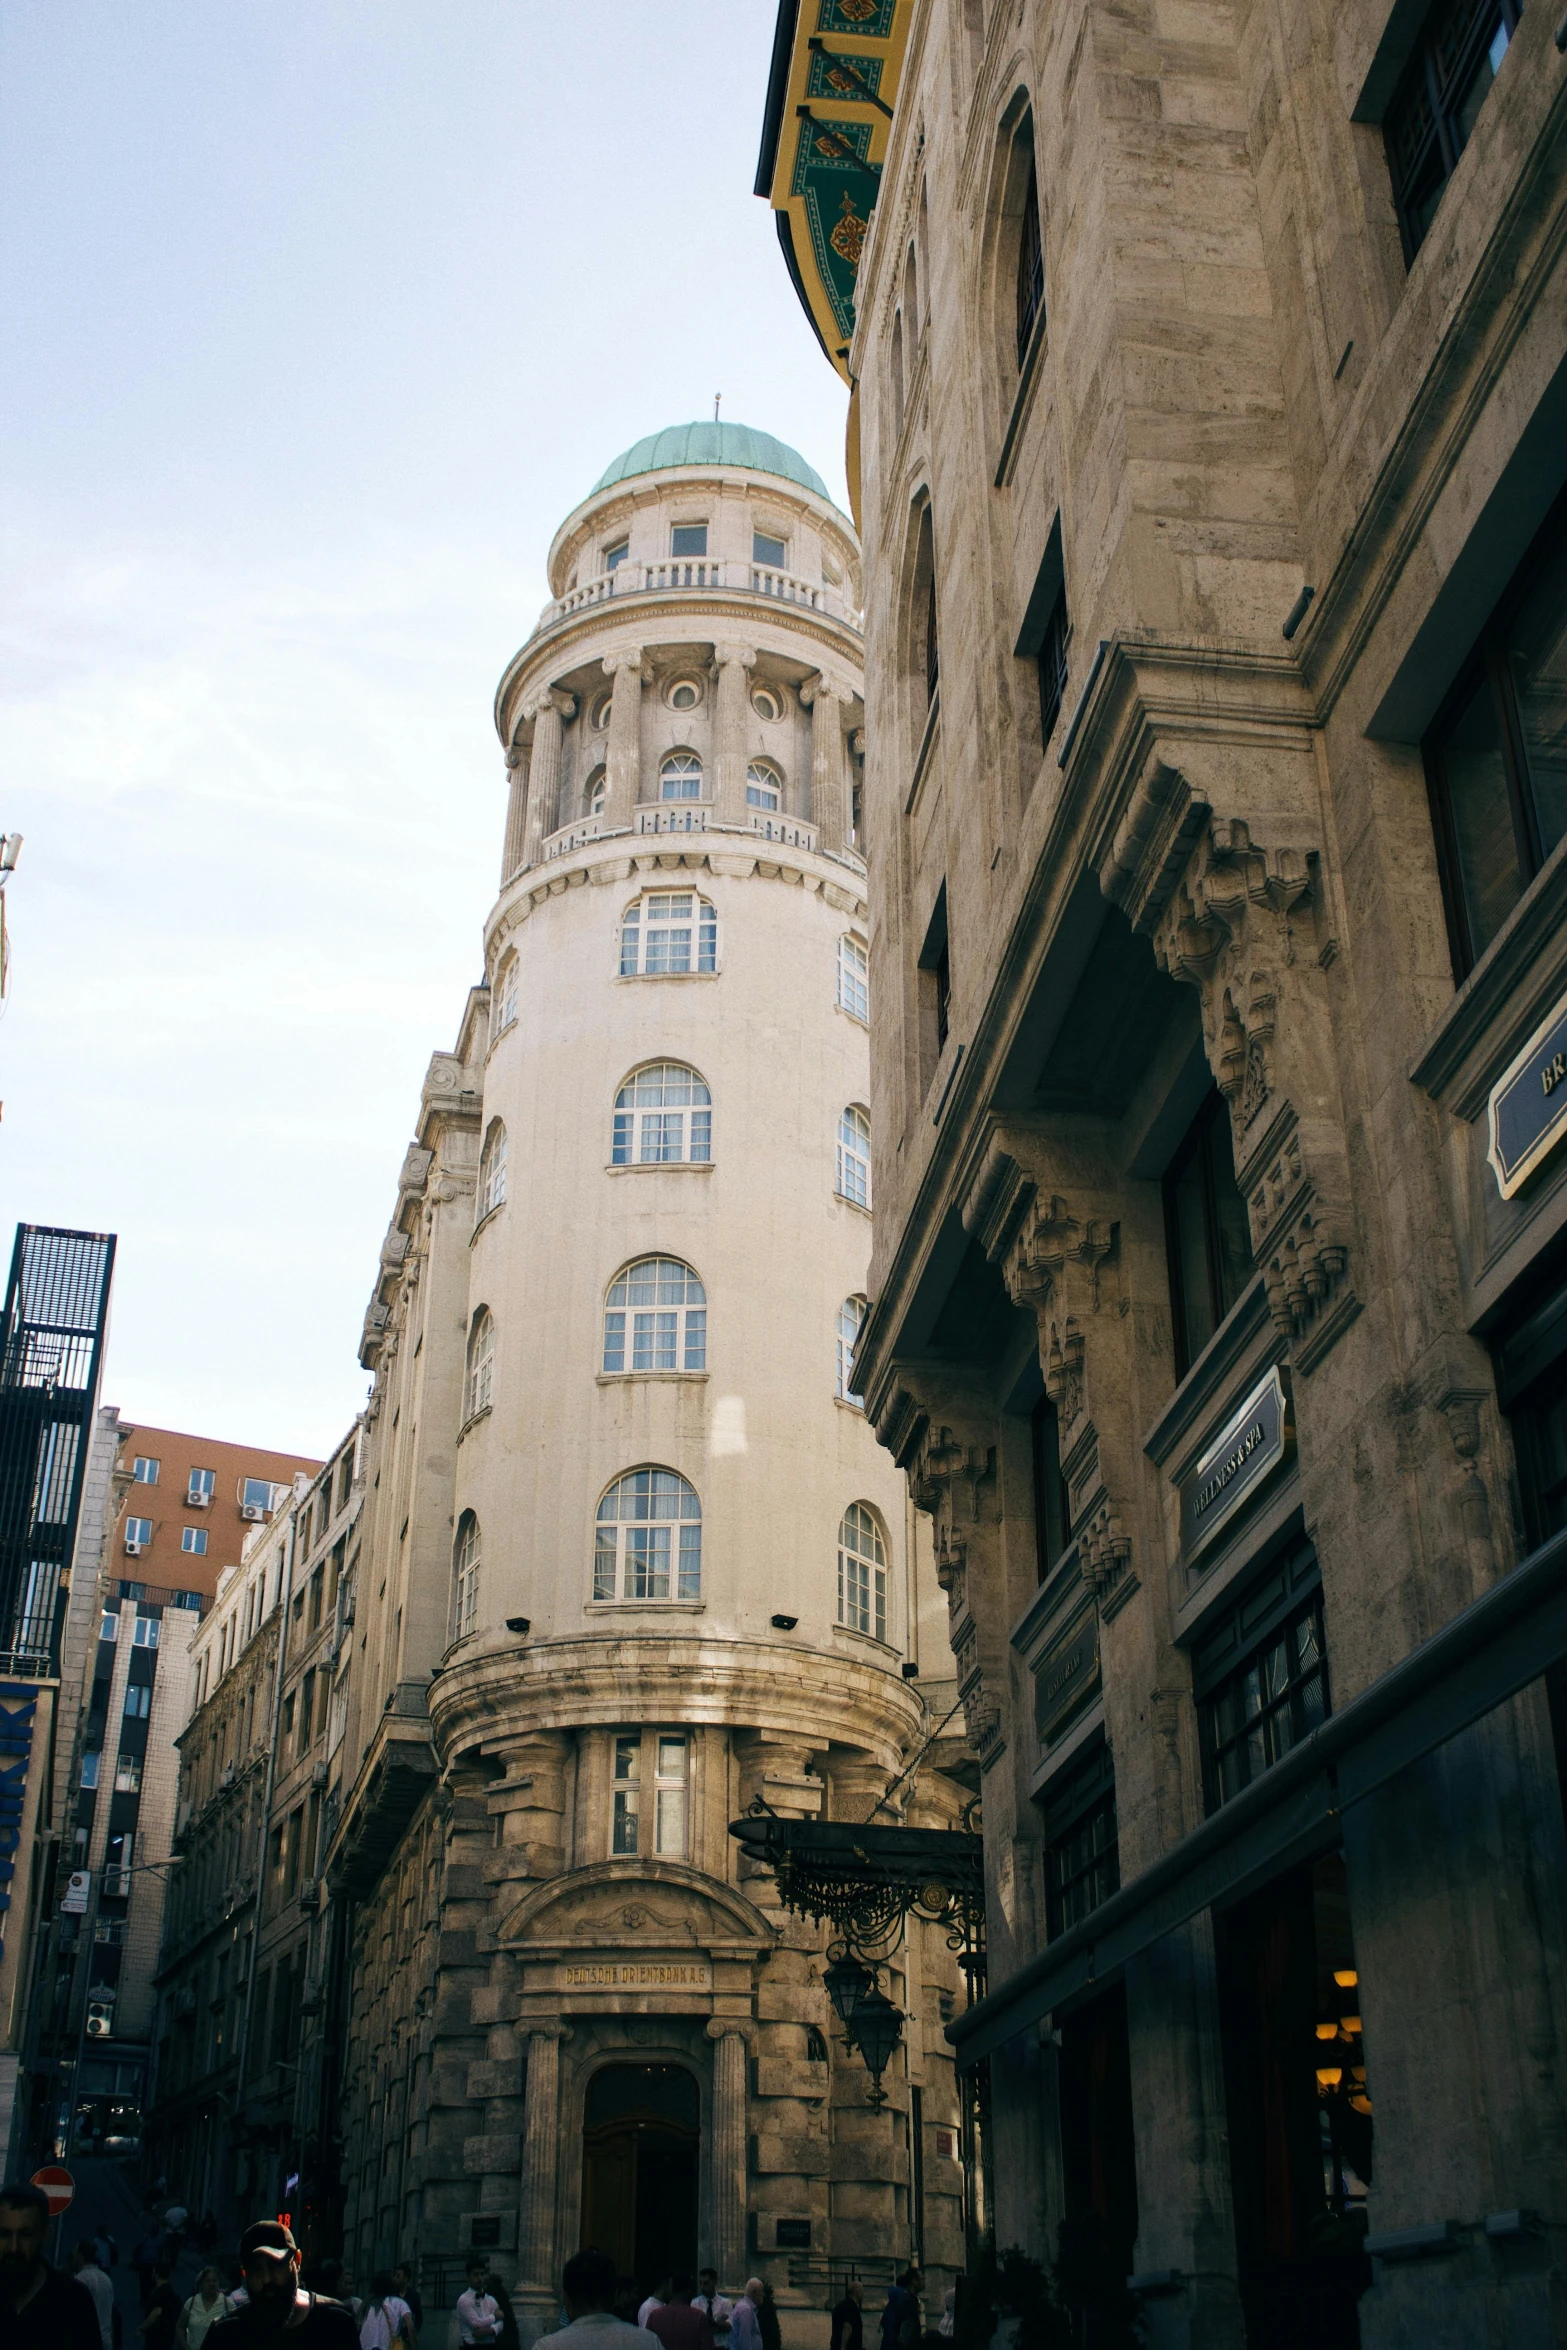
<point x="319" y="316"/>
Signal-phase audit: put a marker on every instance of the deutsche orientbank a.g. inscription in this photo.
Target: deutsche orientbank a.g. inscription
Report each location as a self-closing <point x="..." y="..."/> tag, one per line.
<point x="1248" y="1448"/>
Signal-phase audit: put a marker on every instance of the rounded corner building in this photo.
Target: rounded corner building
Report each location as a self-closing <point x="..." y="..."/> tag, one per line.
<point x="633" y="1563"/>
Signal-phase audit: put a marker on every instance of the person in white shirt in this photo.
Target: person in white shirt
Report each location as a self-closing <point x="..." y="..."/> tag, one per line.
<point x="88" y="2273"/>
<point x="388" y="2322"/>
<point x="588" y="2284"/>
<point x="206" y="2305"/>
<point x="745" y="2331"/>
<point x="478" y="2312"/>
<point x="657" y="2299"/>
<point x="719" y="2309"/>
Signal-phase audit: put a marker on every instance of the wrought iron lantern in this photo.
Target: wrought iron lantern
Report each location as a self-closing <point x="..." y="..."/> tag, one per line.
<point x="877" y="2029"/>
<point x="846" y="1983"/>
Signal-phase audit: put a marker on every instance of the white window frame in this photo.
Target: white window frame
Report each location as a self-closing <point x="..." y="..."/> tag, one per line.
<point x="145" y="1461"/>
<point x="647" y="1533"/>
<point x="194" y="1540"/>
<point x="671" y="1786"/>
<point x="780" y="562"/>
<point x="851" y="1321"/>
<point x="492" y="1171"/>
<point x="655" y="1319"/>
<point x="596" y="790"/>
<point x="862" y="1572"/>
<point x="145" y="1634"/>
<point x="680" y="776"/>
<point x="854" y="977"/>
<point x="667" y="1779"/>
<point x="669" y="934"/>
<point x="762" y="776"/>
<point x="663" y="1118"/>
<point x="138" y="1530"/>
<point x="506" y="995"/>
<point x="467" y="1560"/>
<point x="479" y="1370"/>
<point x="854" y="1156"/>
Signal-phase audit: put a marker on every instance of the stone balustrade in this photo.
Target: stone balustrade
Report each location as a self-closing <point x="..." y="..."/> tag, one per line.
<point x="677" y="577"/>
<point x="683" y="816"/>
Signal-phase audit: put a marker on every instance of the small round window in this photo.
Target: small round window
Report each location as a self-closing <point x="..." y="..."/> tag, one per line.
<point x="684" y="694"/>
<point x="766" y="704"/>
<point x="599" y="714"/>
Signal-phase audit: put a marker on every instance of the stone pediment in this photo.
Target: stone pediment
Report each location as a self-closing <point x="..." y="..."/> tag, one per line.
<point x="635" y="1905"/>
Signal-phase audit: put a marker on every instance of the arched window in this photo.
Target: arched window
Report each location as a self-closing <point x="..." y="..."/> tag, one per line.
<point x="1030" y="250"/>
<point x="851" y="1317"/>
<point x="648" y="1538"/>
<point x="763" y="785"/>
<point x="854" y="992"/>
<point x="680" y="777"/>
<point x="862" y="1572"/>
<point x="492" y="1169"/>
<point x="666" y="1308"/>
<point x="597" y="789"/>
<point x="465" y="1577"/>
<point x="506" y="994"/>
<point x="663" y="1117"/>
<point x="668" y="931"/>
<point x="854" y="1156"/>
<point x="481" y="1363"/>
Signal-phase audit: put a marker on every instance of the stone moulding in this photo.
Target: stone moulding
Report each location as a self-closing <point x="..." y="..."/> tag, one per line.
<point x="531" y="889"/>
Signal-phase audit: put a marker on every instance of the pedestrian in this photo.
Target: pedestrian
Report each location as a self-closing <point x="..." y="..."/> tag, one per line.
<point x="163" y="2309"/>
<point x="767" y="2321"/>
<point x="478" y="2311"/>
<point x="900" y="2320"/>
<point x="745" y="2332"/>
<point x="719" y="2309"/>
<point x="406" y="2290"/>
<point x="87" y="2272"/>
<point x="678" y="2325"/>
<point x="949" y="2314"/>
<point x="388" y="2320"/>
<point x="40" y="2309"/>
<point x="655" y="2300"/>
<point x="269" y="2258"/>
<point x="508" y="2337"/>
<point x="588" y="2285"/>
<point x="848" y="2319"/>
<point x="206" y="2305"/>
<point x="145" y="2259"/>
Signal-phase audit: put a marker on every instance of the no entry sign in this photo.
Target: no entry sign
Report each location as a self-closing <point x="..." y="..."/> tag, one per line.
<point x="58" y="2185"/>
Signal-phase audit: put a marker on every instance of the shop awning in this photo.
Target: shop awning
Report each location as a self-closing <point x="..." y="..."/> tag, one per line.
<point x="1496" y="1647"/>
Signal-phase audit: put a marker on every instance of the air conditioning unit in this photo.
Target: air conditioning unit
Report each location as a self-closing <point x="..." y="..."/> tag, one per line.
<point x="100" y="2018"/>
<point x="310" y="1894"/>
<point x="198" y="1501"/>
<point x="133" y="1550"/>
<point x="253" y="1513"/>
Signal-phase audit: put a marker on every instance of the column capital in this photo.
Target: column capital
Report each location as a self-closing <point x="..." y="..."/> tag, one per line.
<point x="822" y="688"/>
<point x="547" y="2030"/>
<point x="628" y="657"/>
<point x="552" y="697"/>
<point x="727" y="654"/>
<point x="719" y="2027"/>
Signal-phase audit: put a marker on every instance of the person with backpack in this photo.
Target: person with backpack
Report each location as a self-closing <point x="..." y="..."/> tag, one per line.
<point x="387" y="2321"/>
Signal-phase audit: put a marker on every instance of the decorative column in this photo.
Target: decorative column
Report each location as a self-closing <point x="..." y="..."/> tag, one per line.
<point x="729" y="2040"/>
<point x="733" y="664"/>
<point x="540" y="2162"/>
<point x="624" y="762"/>
<point x="516" y="810"/>
<point x="823" y="696"/>
<point x="550" y="713"/>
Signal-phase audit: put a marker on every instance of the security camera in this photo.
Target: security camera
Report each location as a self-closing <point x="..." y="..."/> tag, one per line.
<point x="785" y="1623"/>
<point x="519" y="1624"/>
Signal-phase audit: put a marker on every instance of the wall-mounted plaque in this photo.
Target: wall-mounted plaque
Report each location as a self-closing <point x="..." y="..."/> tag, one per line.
<point x="612" y="1974"/>
<point x="1067" y="1675"/>
<point x="1253" y="1442"/>
<point x="1527" y="1111"/>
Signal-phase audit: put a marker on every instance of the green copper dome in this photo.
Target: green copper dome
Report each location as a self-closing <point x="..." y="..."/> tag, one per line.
<point x="712" y="444"/>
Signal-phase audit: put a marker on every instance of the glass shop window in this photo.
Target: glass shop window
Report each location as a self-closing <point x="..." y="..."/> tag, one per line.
<point x="1299" y="2107"/>
<point x="1099" y="2160"/>
<point x="1260" y="1676"/>
<point x="1207" y="1239"/>
<point x="1082" y="1859"/>
<point x="1496" y="758"/>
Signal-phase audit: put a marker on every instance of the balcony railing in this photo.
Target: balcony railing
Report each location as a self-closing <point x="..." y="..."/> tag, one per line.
<point x="675" y="577"/>
<point x="664" y="818"/>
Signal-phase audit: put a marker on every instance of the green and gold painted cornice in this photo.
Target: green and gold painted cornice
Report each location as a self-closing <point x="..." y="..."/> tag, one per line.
<point x="830" y="98"/>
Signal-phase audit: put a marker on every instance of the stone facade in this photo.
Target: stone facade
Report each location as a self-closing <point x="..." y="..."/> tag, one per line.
<point x="630" y="1244"/>
<point x="1191" y="498"/>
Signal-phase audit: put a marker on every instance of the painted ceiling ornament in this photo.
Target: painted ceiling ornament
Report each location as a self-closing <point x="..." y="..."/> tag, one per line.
<point x="848" y="238"/>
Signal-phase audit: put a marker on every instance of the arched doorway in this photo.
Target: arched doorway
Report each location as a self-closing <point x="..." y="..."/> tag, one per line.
<point x="641" y="2138"/>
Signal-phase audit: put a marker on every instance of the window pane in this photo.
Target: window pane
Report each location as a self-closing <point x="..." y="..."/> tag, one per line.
<point x="670" y="1832"/>
<point x="1537" y="663"/>
<point x="696" y="1339"/>
<point x="688" y="538"/>
<point x="625" y="1833"/>
<point x="766" y="549"/>
<point x="690" y="1562"/>
<point x="614" y="1342"/>
<point x="1489" y="878"/>
<point x="604" y="1563"/>
<point x="701" y="1136"/>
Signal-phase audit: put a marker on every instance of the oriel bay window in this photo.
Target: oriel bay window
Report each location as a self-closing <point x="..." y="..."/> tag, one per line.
<point x="1496" y="758"/>
<point x="1207" y="1239"/>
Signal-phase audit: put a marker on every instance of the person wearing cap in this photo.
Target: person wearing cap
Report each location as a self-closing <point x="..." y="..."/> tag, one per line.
<point x="277" y="2308"/>
<point x="39" y="2308"/>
